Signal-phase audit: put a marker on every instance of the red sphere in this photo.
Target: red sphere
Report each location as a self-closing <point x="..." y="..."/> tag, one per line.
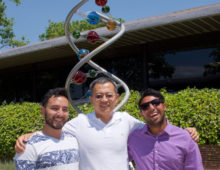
<point x="101" y="2"/>
<point x="79" y="77"/>
<point x="92" y="37"/>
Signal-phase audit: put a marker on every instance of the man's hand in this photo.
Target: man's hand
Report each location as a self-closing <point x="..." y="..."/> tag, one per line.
<point x="193" y="133"/>
<point x="20" y="142"/>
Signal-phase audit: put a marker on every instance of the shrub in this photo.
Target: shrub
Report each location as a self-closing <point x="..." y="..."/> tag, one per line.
<point x="17" y="119"/>
<point x="199" y="108"/>
<point x="196" y="108"/>
<point x="187" y="108"/>
<point x="131" y="105"/>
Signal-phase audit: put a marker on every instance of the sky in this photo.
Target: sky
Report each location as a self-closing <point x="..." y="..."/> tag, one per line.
<point x="32" y="17"/>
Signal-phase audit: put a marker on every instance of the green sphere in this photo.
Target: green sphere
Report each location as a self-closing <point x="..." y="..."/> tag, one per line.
<point x="76" y="34"/>
<point x="105" y="9"/>
<point x="92" y="73"/>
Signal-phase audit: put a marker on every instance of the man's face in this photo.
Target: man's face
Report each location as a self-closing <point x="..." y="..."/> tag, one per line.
<point x="154" y="113"/>
<point x="104" y="98"/>
<point x="56" y="112"/>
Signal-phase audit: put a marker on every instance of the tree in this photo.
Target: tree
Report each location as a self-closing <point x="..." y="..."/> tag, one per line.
<point x="6" y="29"/>
<point x="213" y="68"/>
<point x="57" y="29"/>
<point x="16" y="1"/>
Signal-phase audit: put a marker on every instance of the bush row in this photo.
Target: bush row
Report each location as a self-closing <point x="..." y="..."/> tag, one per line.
<point x="187" y="108"/>
<point x="199" y="108"/>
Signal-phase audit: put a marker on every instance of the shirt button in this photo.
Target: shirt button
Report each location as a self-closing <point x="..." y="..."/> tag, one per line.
<point x="156" y="151"/>
<point x="156" y="165"/>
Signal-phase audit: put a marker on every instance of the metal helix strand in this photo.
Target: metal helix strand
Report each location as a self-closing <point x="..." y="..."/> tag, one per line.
<point x="88" y="57"/>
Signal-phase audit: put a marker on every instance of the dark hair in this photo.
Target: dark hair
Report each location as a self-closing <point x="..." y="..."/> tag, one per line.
<point x="56" y="92"/>
<point x="151" y="92"/>
<point x="103" y="80"/>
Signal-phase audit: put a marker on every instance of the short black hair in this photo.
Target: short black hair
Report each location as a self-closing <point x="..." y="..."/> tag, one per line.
<point x="151" y="92"/>
<point x="56" y="92"/>
<point x="103" y="80"/>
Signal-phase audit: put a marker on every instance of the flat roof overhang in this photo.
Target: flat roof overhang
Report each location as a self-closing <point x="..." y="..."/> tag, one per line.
<point x="195" y="22"/>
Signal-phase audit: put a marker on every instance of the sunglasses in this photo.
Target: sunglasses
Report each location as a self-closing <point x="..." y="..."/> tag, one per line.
<point x="146" y="105"/>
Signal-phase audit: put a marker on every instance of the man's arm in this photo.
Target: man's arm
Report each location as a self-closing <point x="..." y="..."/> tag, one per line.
<point x="193" y="133"/>
<point x="193" y="160"/>
<point x="26" y="160"/>
<point x="20" y="142"/>
<point x="24" y="164"/>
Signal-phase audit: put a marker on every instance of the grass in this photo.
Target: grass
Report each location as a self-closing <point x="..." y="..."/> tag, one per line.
<point x="7" y="165"/>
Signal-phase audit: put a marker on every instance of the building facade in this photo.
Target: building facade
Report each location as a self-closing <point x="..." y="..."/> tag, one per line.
<point x="175" y="50"/>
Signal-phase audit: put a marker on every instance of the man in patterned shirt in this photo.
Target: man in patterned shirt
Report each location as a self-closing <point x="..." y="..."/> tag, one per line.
<point x="51" y="148"/>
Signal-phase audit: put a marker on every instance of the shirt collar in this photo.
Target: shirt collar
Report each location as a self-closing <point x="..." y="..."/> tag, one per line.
<point x="115" y="118"/>
<point x="167" y="130"/>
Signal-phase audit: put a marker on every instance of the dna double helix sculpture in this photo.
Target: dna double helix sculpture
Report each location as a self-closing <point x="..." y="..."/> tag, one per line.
<point x="85" y="57"/>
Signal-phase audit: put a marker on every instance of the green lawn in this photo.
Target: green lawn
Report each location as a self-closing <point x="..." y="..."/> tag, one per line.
<point x="9" y="165"/>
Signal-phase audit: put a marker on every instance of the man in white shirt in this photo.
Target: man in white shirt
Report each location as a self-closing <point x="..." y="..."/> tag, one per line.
<point x="102" y="135"/>
<point x="51" y="148"/>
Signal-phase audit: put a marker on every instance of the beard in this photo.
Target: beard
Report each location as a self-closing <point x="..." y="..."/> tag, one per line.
<point x="157" y="123"/>
<point x="51" y="122"/>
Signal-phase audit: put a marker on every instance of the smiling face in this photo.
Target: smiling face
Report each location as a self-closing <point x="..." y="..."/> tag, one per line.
<point x="104" y="98"/>
<point x="56" y="112"/>
<point x="154" y="114"/>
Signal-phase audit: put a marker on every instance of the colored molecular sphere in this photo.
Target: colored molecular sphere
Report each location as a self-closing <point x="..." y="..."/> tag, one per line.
<point x="92" y="37"/>
<point x="101" y="2"/>
<point x="82" y="53"/>
<point x="93" y="18"/>
<point x="76" y="34"/>
<point x="105" y="9"/>
<point x="79" y="77"/>
<point x="92" y="73"/>
<point x="111" y="25"/>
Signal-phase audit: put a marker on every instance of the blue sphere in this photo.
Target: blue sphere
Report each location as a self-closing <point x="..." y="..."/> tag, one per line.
<point x="93" y="18"/>
<point x="82" y="53"/>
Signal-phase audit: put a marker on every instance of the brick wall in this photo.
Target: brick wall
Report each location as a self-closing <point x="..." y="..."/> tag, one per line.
<point x="210" y="156"/>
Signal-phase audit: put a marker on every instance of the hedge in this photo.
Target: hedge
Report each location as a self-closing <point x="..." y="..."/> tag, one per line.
<point x="187" y="108"/>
